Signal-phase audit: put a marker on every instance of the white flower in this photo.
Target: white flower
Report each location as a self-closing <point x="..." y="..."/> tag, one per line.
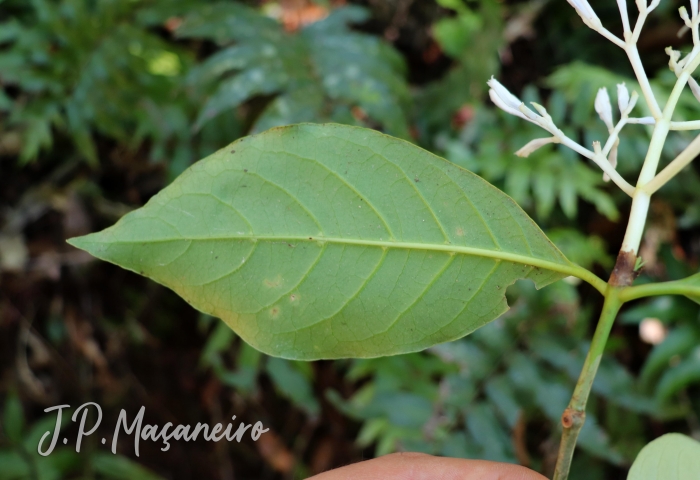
<point x="533" y="145"/>
<point x="623" y="97"/>
<point x="603" y="107"/>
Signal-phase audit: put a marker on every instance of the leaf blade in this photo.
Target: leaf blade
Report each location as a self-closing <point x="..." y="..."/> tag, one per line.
<point x="670" y="457"/>
<point x="334" y="241"/>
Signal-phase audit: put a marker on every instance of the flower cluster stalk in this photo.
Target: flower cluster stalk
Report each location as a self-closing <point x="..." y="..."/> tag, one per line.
<point x="618" y="289"/>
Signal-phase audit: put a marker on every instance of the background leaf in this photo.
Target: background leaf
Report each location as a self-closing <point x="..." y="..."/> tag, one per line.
<point x="321" y="72"/>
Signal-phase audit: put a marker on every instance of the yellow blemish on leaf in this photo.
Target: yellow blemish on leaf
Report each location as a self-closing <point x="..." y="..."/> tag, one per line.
<point x="274" y="283"/>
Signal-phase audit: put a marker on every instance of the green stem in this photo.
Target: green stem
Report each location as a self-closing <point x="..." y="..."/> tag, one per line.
<point x="676" y="287"/>
<point x="575" y="414"/>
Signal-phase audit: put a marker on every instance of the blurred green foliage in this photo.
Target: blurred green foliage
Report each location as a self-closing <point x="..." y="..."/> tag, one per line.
<point x="318" y="74"/>
<point x="84" y="68"/>
<point x="178" y="80"/>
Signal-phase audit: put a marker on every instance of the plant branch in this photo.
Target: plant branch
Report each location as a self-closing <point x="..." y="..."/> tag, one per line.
<point x="679" y="163"/>
<point x="597" y="158"/>
<point x="614" y="39"/>
<point x="575" y="414"/>
<point x="638" y="68"/>
<point x="676" y="287"/>
<point x="641" y="198"/>
<point x="630" y="48"/>
<point x="691" y="125"/>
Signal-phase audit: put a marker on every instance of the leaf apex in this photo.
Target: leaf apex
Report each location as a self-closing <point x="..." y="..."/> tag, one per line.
<point x="83" y="242"/>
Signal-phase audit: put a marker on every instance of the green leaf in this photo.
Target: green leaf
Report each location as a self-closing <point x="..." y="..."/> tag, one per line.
<point x="670" y="457"/>
<point x="581" y="249"/>
<point x="293" y="385"/>
<point x="486" y="429"/>
<point x="312" y="73"/>
<point x="219" y="340"/>
<point x="329" y="241"/>
<point x="455" y="34"/>
<point x="501" y="393"/>
<point x="679" y="341"/>
<point x="679" y="376"/>
<point x="117" y="467"/>
<point x="245" y="376"/>
<point x="13" y="418"/>
<point x="14" y="466"/>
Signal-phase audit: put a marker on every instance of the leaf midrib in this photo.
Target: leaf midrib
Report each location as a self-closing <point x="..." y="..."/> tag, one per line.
<point x="565" y="268"/>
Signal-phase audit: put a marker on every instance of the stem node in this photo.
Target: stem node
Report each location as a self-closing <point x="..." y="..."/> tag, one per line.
<point x="573" y="418"/>
<point x="624" y="272"/>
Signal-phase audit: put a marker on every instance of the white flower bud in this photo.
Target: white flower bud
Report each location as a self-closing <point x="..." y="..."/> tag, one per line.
<point x="596" y="148"/>
<point x="508" y="102"/>
<point x="603" y="107"/>
<point x="623" y="97"/>
<point x="586" y="13"/>
<point x="542" y="111"/>
<point x="684" y="16"/>
<point x="529" y="114"/>
<point x="498" y="101"/>
<point x="673" y="60"/>
<point x="533" y="145"/>
<point x="508" y="98"/>
<point x="673" y="54"/>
